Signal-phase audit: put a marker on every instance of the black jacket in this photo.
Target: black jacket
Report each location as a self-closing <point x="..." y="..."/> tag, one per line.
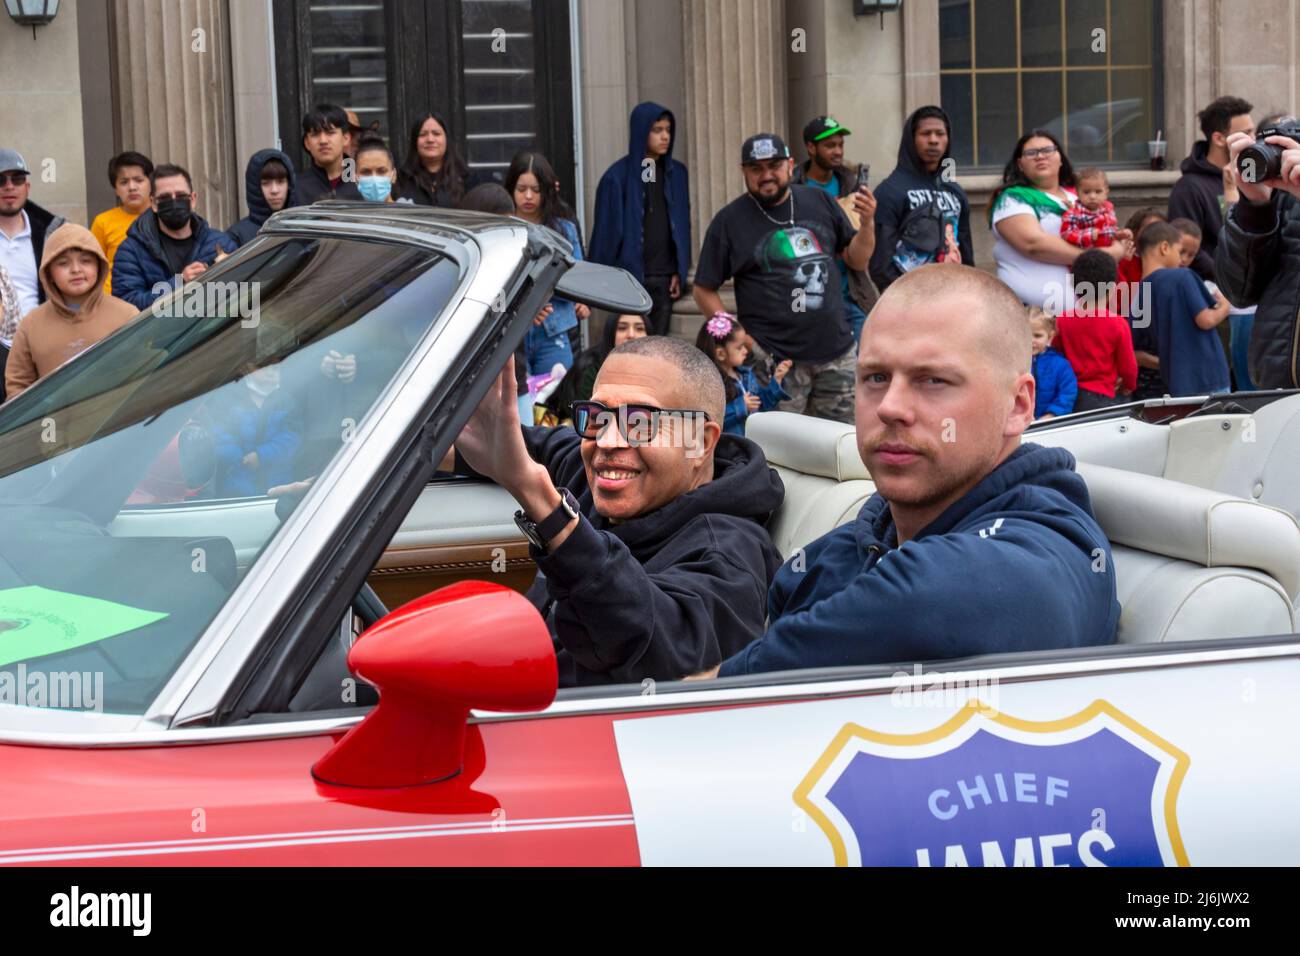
<point x="670" y="593"/>
<point x="1198" y="196"/>
<point x="313" y="184"/>
<point x="42" y="222"/>
<point x="258" y="211"/>
<point x="906" y="188"/>
<point x="409" y="187"/>
<point x="1258" y="263"/>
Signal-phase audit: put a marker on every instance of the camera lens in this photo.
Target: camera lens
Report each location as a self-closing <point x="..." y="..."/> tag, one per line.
<point x="1259" y="161"/>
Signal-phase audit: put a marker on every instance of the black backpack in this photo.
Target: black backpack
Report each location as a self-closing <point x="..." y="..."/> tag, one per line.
<point x="922" y="227"/>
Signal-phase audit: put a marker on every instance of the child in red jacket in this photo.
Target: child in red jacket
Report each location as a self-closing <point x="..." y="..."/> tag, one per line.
<point x="1097" y="342"/>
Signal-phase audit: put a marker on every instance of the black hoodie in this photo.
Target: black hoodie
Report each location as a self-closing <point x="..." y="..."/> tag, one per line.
<point x="258" y="210"/>
<point x="906" y="188"/>
<point x="1198" y="196"/>
<point x="667" y="594"/>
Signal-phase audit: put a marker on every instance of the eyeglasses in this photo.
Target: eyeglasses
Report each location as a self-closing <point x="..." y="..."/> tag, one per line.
<point x="1040" y="151"/>
<point x="167" y="196"/>
<point x="12" y="179"/>
<point x="638" y="424"/>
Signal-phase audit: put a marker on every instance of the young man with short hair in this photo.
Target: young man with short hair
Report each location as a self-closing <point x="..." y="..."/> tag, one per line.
<point x="169" y="244"/>
<point x="825" y="169"/>
<point x="1180" y="316"/>
<point x="330" y="174"/>
<point x="1198" y="194"/>
<point x="980" y="545"/>
<point x="128" y="173"/>
<point x="780" y="241"/>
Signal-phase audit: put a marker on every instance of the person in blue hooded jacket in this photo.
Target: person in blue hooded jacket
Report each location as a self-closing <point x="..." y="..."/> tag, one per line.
<point x="169" y="244"/>
<point x="268" y="186"/>
<point x="973" y="543"/>
<point x="642" y="219"/>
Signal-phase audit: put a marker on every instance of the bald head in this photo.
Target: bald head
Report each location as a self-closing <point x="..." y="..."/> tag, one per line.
<point x="1005" y="338"/>
<point x="697" y="384"/>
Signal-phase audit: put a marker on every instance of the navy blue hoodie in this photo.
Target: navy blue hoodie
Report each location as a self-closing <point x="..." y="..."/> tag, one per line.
<point x="617" y="234"/>
<point x="1017" y="564"/>
<point x="669" y="593"/>
<point x="903" y="190"/>
<point x="258" y="211"/>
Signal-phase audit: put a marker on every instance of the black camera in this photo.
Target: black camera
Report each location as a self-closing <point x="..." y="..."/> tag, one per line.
<point x="1261" y="161"/>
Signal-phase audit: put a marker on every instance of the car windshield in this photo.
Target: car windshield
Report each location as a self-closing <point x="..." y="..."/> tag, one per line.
<point x="134" y="480"/>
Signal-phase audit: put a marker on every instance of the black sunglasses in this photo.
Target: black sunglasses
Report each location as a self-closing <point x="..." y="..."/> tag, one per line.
<point x="638" y="424"/>
<point x="12" y="179"/>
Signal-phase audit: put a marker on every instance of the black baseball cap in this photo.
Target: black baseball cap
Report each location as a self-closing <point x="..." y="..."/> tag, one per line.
<point x="823" y="127"/>
<point x="763" y="146"/>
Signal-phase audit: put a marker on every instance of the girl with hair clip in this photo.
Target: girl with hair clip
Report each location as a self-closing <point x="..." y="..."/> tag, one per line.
<point x="724" y="341"/>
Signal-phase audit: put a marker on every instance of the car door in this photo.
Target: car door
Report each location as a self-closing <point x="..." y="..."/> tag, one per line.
<point x="1175" y="757"/>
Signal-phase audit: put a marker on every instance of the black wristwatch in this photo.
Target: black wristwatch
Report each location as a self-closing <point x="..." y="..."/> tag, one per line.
<point x="541" y="533"/>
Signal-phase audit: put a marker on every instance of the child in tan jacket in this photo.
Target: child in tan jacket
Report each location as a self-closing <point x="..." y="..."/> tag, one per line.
<point x="77" y="312"/>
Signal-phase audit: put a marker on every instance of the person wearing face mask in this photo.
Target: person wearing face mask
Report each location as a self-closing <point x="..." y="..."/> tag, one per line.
<point x="255" y="435"/>
<point x="376" y="171"/>
<point x="169" y="244"/>
<point x="268" y="186"/>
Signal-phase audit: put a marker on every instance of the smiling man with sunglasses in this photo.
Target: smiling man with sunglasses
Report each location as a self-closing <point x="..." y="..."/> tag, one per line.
<point x="646" y="522"/>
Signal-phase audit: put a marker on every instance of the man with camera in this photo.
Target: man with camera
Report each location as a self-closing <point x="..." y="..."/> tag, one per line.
<point x="1258" y="258"/>
<point x="1198" y="194"/>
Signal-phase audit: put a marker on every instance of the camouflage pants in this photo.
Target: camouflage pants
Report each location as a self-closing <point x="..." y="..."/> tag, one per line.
<point x="824" y="390"/>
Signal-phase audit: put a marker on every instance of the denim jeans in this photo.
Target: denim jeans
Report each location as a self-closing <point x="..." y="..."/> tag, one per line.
<point x="1241" y="327"/>
<point x="544" y="351"/>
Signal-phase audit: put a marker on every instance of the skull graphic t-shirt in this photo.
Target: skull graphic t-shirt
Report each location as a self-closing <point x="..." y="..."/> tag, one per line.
<point x="787" y="284"/>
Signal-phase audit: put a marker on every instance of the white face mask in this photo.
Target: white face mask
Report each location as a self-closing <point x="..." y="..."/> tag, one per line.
<point x="264" y="381"/>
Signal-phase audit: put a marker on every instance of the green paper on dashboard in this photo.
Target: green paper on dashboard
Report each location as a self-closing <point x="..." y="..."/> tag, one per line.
<point x="36" y="621"/>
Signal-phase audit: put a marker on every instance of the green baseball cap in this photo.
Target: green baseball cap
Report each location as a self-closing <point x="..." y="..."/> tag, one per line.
<point x="822" y="127"/>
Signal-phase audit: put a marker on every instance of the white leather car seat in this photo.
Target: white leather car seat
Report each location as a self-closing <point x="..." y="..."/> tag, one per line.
<point x="1256" y="457"/>
<point x="1194" y="564"/>
<point x="825" y="480"/>
<point x="1190" y="563"/>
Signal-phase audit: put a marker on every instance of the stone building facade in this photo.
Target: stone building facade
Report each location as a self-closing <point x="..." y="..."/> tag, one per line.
<point x="205" y="82"/>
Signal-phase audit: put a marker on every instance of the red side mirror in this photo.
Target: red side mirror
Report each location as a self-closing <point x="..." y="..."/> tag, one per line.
<point x="470" y="645"/>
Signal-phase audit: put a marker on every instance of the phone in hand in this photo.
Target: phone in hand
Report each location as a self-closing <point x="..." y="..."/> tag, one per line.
<point x="864" y="173"/>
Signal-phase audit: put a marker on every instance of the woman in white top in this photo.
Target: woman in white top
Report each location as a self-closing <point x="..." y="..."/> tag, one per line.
<point x="1025" y="213"/>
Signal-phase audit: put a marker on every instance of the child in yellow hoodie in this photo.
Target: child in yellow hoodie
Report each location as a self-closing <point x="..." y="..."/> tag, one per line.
<point x="76" y="313"/>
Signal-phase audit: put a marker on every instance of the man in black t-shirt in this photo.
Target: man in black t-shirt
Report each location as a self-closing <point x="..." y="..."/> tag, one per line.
<point x="780" y="241"/>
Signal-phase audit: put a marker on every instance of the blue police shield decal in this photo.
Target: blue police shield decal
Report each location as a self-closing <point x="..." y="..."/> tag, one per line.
<point x="986" y="789"/>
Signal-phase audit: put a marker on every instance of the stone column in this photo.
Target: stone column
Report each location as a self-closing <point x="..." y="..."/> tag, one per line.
<point x="735" y="87"/>
<point x="920" y="54"/>
<point x="176" y="101"/>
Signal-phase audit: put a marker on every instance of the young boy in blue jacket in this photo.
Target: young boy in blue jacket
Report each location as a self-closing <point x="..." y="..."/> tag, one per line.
<point x="1057" y="386"/>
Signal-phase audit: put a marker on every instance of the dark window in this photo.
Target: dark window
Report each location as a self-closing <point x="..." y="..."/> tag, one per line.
<point x="1087" y="71"/>
<point x="499" y="70"/>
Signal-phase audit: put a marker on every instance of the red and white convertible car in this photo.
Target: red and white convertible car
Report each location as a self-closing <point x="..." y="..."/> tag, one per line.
<point x="179" y="661"/>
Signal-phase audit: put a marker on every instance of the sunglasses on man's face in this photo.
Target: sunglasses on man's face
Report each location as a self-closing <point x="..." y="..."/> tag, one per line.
<point x="180" y="196"/>
<point x="12" y="179"/>
<point x="638" y="424"/>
